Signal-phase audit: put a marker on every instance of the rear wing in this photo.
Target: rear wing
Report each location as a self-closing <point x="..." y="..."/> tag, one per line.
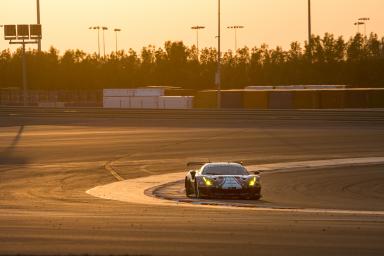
<point x="189" y="164"/>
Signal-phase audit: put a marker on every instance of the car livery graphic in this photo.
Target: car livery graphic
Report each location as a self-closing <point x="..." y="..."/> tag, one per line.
<point x="222" y="180"/>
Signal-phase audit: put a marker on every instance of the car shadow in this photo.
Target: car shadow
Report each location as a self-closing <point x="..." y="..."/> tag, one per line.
<point x="8" y="156"/>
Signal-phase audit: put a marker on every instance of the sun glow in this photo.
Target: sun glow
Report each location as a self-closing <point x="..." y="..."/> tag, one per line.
<point x="275" y="22"/>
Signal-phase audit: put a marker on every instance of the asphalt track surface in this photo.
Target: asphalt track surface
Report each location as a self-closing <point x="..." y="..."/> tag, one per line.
<point x="342" y="188"/>
<point x="47" y="162"/>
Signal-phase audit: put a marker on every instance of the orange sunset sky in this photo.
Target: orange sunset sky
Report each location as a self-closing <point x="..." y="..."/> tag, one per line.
<point x="144" y="22"/>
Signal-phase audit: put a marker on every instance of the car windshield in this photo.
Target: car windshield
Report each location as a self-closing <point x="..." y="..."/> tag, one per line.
<point x="225" y="170"/>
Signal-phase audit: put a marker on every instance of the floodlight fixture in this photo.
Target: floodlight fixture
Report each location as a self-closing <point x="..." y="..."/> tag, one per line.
<point x="23" y="32"/>
<point x="10" y="32"/>
<point x="197" y="28"/>
<point x="35" y="31"/>
<point x="98" y="37"/>
<point x="365" y="21"/>
<point x="235" y="28"/>
<point x="117" y="30"/>
<point x="104" y="28"/>
<point x="358" y="24"/>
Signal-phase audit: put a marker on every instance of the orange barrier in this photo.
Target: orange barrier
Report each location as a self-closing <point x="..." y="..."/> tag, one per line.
<point x="305" y="99"/>
<point x="293" y="99"/>
<point x="229" y="99"/>
<point x="256" y="99"/>
<point x="180" y="92"/>
<point x="376" y="98"/>
<point x="357" y="98"/>
<point x="206" y="99"/>
<point x="232" y="99"/>
<point x="332" y="98"/>
<point x="280" y="99"/>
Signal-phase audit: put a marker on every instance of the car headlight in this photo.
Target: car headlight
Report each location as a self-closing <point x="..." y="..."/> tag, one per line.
<point x="253" y="182"/>
<point x="207" y="182"/>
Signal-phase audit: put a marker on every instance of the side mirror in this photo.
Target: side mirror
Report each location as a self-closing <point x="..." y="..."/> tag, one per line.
<point x="193" y="174"/>
<point x="256" y="172"/>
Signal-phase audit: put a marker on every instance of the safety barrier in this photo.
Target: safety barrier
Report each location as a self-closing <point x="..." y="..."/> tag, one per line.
<point x="280" y="99"/>
<point x="230" y="99"/>
<point x="206" y="99"/>
<point x="256" y="99"/>
<point x="305" y="99"/>
<point x="376" y="98"/>
<point x="293" y="99"/>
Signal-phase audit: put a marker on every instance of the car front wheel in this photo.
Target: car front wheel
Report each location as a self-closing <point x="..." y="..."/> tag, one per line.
<point x="188" y="188"/>
<point x="197" y="193"/>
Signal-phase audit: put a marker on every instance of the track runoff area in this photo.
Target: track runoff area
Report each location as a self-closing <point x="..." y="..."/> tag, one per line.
<point x="170" y="187"/>
<point x="80" y="183"/>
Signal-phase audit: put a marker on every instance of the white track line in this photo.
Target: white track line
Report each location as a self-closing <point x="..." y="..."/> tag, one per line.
<point x="109" y="167"/>
<point x="133" y="191"/>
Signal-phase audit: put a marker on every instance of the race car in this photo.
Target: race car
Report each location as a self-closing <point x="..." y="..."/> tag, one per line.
<point x="227" y="180"/>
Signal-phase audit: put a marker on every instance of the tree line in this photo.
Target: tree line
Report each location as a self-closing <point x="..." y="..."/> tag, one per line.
<point x="330" y="60"/>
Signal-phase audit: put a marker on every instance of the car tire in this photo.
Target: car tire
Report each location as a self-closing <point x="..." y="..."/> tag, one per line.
<point x="197" y="193"/>
<point x="188" y="190"/>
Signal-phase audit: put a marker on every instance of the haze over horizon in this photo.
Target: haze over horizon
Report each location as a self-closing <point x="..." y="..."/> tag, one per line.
<point x="144" y="22"/>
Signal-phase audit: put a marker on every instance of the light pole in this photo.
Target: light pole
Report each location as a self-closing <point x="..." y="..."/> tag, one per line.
<point x="310" y="29"/>
<point x="98" y="38"/>
<point x="1" y="26"/>
<point x="23" y="34"/>
<point x="116" y="31"/>
<point x="104" y="28"/>
<point x="218" y="72"/>
<point x="235" y="28"/>
<point x="358" y="25"/>
<point x="197" y="28"/>
<point x="364" y="20"/>
<point x="38" y="22"/>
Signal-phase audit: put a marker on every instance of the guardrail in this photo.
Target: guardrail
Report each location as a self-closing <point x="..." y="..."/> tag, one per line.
<point x="196" y="114"/>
